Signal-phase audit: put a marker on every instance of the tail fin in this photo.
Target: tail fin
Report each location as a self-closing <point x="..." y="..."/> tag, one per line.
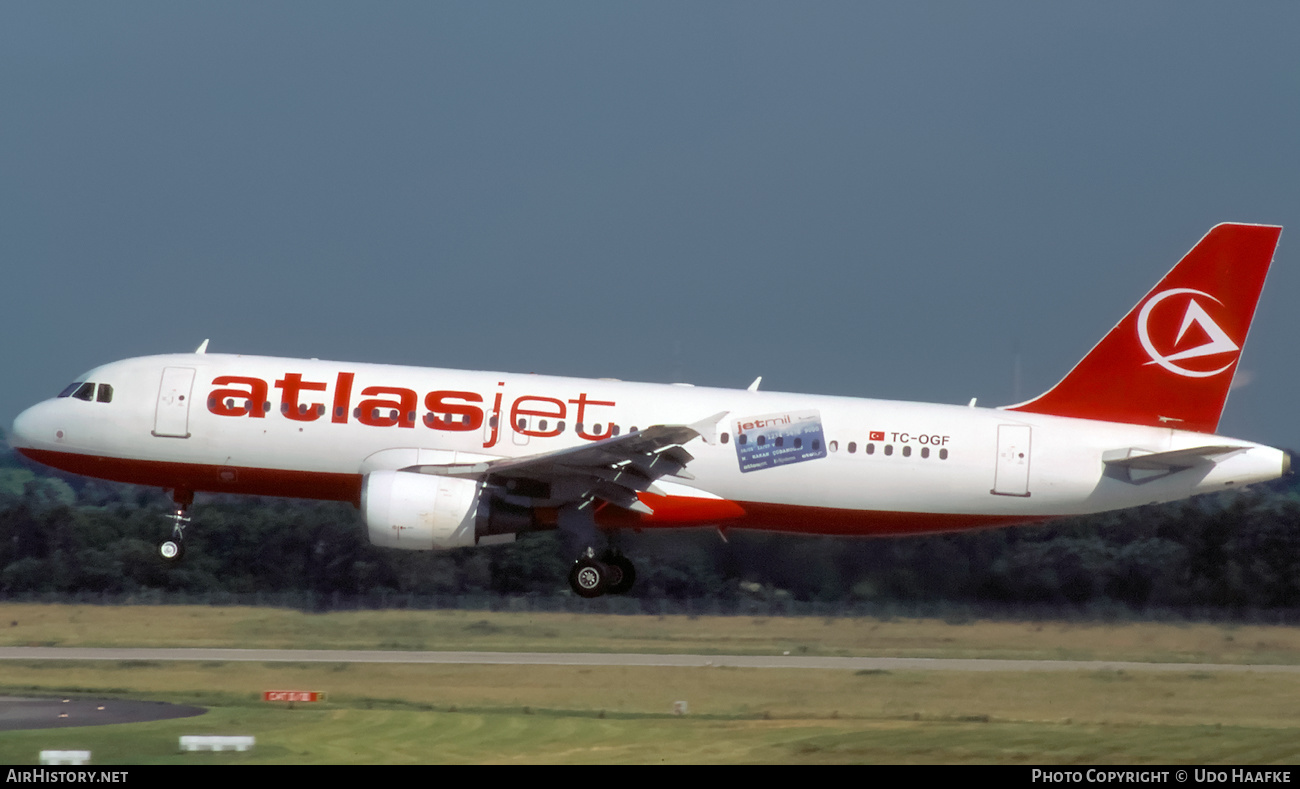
<point x="1170" y="362"/>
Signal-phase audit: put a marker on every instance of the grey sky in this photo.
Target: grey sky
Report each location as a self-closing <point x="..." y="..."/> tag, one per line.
<point x="875" y="199"/>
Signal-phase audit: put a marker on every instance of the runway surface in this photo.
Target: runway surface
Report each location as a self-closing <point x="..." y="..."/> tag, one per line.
<point x="55" y="713"/>
<point x="618" y="659"/>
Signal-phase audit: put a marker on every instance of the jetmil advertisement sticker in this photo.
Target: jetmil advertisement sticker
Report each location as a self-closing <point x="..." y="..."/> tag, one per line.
<point x="779" y="439"/>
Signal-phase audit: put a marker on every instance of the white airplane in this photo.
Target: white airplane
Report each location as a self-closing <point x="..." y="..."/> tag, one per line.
<point x="438" y="459"/>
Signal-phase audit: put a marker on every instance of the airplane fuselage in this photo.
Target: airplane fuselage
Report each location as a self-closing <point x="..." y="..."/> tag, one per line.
<point x="779" y="461"/>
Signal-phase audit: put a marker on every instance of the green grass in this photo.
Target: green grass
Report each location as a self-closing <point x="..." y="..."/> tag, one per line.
<point x="196" y="626"/>
<point x="421" y="713"/>
<point x="401" y="736"/>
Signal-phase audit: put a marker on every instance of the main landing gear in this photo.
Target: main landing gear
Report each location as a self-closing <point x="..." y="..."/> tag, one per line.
<point x="596" y="571"/>
<point x="173" y="549"/>
<point x="612" y="573"/>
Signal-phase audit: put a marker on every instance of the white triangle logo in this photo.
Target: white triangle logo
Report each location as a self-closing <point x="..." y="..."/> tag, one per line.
<point x="1219" y="341"/>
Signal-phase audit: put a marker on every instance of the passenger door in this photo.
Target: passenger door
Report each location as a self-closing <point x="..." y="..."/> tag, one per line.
<point x="1011" y="473"/>
<point x="172" y="417"/>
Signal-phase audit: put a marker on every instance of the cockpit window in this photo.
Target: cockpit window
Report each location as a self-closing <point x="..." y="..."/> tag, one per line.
<point x="86" y="390"/>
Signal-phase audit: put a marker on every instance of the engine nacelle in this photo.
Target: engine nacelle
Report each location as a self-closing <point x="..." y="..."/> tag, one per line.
<point x="423" y="512"/>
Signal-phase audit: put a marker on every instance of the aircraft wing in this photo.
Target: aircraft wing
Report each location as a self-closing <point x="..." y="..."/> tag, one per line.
<point x="612" y="470"/>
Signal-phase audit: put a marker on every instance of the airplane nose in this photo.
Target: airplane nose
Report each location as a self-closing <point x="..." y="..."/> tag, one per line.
<point x="20" y="436"/>
<point x="29" y="428"/>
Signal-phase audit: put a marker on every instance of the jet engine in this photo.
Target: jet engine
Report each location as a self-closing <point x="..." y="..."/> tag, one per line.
<point x="423" y="512"/>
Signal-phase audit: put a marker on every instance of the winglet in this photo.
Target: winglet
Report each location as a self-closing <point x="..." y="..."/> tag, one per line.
<point x="1170" y="361"/>
<point x="202" y="348"/>
<point x="708" y="428"/>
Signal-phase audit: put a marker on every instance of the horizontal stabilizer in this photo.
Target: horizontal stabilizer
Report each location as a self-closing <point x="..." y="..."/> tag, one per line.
<point x="1167" y="461"/>
<point x="1137" y="466"/>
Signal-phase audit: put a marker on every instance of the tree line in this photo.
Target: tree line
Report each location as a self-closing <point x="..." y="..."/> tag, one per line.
<point x="1233" y="551"/>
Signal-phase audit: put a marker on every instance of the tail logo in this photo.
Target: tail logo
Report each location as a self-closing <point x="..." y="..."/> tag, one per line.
<point x="1218" y="340"/>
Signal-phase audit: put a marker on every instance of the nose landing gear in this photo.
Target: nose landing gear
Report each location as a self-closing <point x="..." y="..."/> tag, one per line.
<point x="173" y="549"/>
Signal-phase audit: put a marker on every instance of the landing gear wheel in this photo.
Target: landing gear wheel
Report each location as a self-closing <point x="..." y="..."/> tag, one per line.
<point x="621" y="574"/>
<point x="589" y="578"/>
<point x="172" y="550"/>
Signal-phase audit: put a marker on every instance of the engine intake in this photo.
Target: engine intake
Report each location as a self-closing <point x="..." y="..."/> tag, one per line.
<point x="424" y="512"/>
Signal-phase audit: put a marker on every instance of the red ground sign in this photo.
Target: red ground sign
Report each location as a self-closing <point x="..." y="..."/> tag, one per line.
<point x="292" y="695"/>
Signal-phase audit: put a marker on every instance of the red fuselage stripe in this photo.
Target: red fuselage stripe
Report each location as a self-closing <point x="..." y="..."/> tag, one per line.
<point x="200" y="477"/>
<point x="670" y="511"/>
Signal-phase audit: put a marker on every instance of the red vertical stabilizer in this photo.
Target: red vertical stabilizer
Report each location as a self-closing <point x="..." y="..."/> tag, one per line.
<point x="1170" y="362"/>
